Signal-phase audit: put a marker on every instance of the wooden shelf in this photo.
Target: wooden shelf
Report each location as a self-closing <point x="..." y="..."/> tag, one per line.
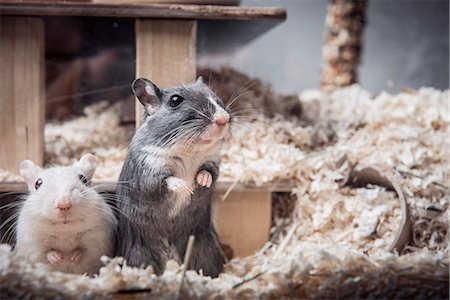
<point x="169" y="33"/>
<point x="221" y="186"/>
<point x="141" y="10"/>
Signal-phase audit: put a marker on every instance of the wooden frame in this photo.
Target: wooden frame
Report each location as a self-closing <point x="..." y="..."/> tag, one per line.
<point x="142" y="10"/>
<point x="22" y="91"/>
<point x="243" y="220"/>
<point x="165" y="53"/>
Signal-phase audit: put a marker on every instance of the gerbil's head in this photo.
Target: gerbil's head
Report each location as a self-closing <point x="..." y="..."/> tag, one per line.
<point x="182" y="121"/>
<point x="60" y="194"/>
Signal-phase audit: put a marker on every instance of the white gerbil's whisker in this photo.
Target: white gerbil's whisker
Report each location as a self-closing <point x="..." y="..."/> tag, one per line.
<point x="9" y="234"/>
<point x="11" y="205"/>
<point x="124" y="185"/>
<point x="12" y="227"/>
<point x="100" y="186"/>
<point x="116" y="199"/>
<point x="103" y="210"/>
<point x="12" y="217"/>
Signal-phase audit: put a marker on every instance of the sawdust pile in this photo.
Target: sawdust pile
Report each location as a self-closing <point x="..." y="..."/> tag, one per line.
<point x="336" y="241"/>
<point x="313" y="271"/>
<point x="98" y="132"/>
<point x="9" y="176"/>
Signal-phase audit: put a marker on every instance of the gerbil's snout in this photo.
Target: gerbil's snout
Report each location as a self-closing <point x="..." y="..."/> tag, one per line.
<point x="64" y="203"/>
<point x="221" y="118"/>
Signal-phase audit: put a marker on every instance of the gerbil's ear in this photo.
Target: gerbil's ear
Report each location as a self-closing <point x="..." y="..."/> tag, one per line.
<point x="200" y="80"/>
<point x="30" y="172"/>
<point x="86" y="166"/>
<point x="148" y="93"/>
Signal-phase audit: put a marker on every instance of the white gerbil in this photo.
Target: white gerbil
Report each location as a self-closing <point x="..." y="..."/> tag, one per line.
<point x="63" y="222"/>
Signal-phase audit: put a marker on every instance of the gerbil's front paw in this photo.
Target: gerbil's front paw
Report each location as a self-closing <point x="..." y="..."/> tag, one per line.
<point x="75" y="256"/>
<point x="54" y="257"/>
<point x="176" y="184"/>
<point x="204" y="178"/>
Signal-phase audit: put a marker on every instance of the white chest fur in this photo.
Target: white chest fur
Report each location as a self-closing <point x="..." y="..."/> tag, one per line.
<point x="186" y="169"/>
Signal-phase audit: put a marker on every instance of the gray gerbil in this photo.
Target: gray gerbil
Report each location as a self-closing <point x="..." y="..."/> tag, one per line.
<point x="63" y="222"/>
<point x="166" y="185"/>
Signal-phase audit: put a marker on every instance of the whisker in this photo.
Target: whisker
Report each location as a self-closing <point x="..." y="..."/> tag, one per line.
<point x="200" y="113"/>
<point x="12" y="217"/>
<point x="245" y="87"/>
<point x="231" y="102"/>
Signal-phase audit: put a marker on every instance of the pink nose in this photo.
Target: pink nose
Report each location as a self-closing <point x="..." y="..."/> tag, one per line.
<point x="64" y="204"/>
<point x="221" y="119"/>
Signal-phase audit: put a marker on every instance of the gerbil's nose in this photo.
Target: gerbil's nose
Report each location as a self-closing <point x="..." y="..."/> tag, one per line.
<point x="64" y="204"/>
<point x="221" y="118"/>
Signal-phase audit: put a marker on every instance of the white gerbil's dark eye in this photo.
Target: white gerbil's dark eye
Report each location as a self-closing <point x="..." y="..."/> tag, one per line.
<point x="175" y="100"/>
<point x="83" y="179"/>
<point x="38" y="183"/>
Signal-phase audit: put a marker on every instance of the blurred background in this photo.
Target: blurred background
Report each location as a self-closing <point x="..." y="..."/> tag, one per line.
<point x="405" y="44"/>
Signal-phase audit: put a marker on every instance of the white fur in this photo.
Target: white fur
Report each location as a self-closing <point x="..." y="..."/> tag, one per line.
<point x="184" y="168"/>
<point x="87" y="228"/>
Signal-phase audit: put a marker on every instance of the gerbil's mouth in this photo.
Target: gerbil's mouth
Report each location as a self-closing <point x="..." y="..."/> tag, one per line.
<point x="205" y="141"/>
<point x="65" y="217"/>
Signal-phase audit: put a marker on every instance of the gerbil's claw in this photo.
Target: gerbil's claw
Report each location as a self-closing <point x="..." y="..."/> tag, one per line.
<point x="204" y="178"/>
<point x="75" y="257"/>
<point x="54" y="257"/>
<point x="176" y="184"/>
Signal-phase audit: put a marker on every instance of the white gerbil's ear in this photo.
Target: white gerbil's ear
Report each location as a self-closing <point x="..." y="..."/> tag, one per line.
<point x="200" y="80"/>
<point x="30" y="172"/>
<point x="86" y="166"/>
<point x="148" y="93"/>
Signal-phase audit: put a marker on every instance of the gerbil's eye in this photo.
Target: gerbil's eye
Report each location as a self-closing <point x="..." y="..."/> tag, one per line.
<point x="175" y="100"/>
<point x="83" y="179"/>
<point x="38" y="183"/>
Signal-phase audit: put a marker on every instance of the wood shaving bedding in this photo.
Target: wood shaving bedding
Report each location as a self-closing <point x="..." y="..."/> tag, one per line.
<point x="308" y="270"/>
<point x="98" y="132"/>
<point x="9" y="176"/>
<point x="341" y="235"/>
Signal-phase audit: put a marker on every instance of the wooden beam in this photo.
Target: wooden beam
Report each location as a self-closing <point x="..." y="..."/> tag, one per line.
<point x="165" y="53"/>
<point x="148" y="10"/>
<point x="221" y="186"/>
<point x="243" y="221"/>
<point x="22" y="114"/>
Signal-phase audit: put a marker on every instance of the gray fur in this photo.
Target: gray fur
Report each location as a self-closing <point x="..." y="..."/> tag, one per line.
<point x="155" y="222"/>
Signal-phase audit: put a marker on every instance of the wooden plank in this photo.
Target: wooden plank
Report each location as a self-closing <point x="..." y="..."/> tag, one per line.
<point x="148" y="10"/>
<point x="221" y="187"/>
<point x="243" y="221"/>
<point x="207" y="2"/>
<point x="22" y="91"/>
<point x="165" y="53"/>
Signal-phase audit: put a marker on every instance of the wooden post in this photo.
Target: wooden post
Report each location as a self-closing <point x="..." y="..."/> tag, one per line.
<point x="343" y="39"/>
<point x="22" y="109"/>
<point x="243" y="220"/>
<point x="165" y="53"/>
